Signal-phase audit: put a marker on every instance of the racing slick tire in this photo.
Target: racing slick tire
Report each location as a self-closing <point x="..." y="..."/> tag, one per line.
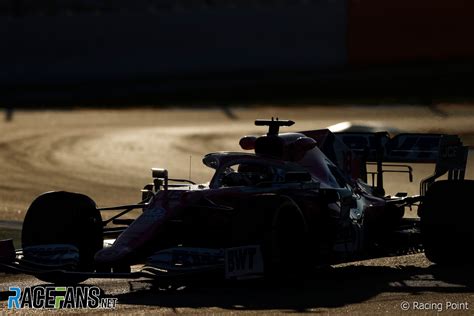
<point x="447" y="221"/>
<point x="64" y="218"/>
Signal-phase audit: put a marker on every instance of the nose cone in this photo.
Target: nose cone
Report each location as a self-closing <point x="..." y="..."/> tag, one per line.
<point x="142" y="230"/>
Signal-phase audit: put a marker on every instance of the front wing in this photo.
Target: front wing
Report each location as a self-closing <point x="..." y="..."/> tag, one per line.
<point x="165" y="265"/>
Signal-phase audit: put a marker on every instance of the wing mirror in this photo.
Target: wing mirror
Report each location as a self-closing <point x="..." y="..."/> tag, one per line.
<point x="160" y="177"/>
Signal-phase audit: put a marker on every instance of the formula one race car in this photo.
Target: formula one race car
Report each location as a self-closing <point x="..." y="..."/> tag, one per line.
<point x="299" y="201"/>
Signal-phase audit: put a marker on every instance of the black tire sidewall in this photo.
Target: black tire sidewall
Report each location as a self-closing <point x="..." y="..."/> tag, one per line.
<point x="447" y="222"/>
<point x="64" y="218"/>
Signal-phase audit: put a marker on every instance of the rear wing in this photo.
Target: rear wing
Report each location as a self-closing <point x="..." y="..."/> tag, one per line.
<point x="446" y="151"/>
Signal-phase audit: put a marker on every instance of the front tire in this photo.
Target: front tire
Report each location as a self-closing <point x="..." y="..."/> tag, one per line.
<point x="64" y="218"/>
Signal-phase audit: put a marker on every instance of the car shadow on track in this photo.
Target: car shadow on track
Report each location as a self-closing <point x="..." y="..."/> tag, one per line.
<point x="328" y="288"/>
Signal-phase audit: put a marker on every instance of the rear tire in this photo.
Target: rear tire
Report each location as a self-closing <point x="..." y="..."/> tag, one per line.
<point x="447" y="219"/>
<point x="65" y="218"/>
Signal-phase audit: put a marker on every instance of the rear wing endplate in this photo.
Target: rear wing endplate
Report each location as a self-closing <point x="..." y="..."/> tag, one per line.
<point x="446" y="151"/>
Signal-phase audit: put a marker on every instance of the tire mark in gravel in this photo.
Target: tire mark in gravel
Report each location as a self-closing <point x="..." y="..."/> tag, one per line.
<point x="35" y="163"/>
<point x="35" y="156"/>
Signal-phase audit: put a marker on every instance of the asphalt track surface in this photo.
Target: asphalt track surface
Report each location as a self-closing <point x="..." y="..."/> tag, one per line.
<point x="107" y="154"/>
